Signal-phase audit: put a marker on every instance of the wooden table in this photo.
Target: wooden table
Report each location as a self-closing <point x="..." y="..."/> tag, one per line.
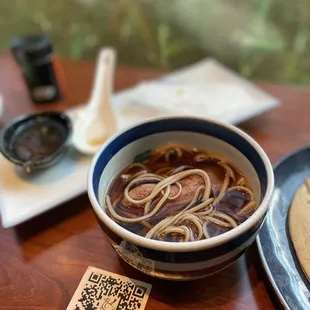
<point x="43" y="260"/>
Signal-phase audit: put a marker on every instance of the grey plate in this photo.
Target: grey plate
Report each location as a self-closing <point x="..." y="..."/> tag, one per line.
<point x="274" y="244"/>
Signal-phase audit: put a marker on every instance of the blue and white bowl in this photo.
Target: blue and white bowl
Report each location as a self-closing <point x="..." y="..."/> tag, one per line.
<point x="184" y="260"/>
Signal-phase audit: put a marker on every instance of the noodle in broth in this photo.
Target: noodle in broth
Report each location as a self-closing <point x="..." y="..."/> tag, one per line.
<point x="179" y="194"/>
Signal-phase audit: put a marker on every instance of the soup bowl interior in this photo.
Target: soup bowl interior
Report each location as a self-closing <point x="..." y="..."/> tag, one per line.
<point x="170" y="260"/>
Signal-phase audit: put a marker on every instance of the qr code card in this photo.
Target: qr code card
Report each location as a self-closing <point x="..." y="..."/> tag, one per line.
<point x="103" y="290"/>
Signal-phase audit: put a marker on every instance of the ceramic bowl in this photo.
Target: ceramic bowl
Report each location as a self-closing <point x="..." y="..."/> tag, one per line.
<point x="188" y="260"/>
<point x="59" y="120"/>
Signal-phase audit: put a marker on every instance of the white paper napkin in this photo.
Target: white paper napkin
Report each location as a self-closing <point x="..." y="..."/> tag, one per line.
<point x="213" y="100"/>
<point x="206" y="89"/>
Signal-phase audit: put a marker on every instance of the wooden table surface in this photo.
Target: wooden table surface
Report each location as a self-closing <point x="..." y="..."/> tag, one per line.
<point x="43" y="260"/>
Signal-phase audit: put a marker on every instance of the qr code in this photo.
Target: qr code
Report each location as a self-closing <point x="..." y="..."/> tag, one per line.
<point x="103" y="290"/>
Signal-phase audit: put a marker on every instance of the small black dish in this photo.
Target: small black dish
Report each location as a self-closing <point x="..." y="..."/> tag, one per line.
<point x="36" y="141"/>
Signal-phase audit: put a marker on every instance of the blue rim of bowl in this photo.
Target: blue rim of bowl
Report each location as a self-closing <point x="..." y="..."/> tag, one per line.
<point x="122" y="138"/>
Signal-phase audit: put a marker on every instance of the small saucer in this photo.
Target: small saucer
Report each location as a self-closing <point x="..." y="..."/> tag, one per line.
<point x="36" y="141"/>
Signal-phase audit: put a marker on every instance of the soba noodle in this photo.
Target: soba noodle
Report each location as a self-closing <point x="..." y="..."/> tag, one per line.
<point x="176" y="193"/>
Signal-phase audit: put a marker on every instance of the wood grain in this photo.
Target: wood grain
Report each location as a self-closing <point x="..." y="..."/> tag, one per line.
<point x="43" y="260"/>
<point x="299" y="225"/>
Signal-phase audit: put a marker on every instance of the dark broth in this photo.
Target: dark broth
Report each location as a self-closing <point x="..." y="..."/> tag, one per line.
<point x="155" y="162"/>
<point x="37" y="141"/>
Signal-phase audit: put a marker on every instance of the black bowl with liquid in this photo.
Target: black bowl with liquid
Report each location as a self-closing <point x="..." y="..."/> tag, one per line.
<point x="36" y="141"/>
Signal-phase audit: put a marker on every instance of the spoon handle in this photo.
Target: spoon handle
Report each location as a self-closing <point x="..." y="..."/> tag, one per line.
<point x="103" y="78"/>
<point x="100" y="101"/>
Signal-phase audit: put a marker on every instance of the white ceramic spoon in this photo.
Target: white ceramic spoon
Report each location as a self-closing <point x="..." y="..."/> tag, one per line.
<point x="97" y="122"/>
